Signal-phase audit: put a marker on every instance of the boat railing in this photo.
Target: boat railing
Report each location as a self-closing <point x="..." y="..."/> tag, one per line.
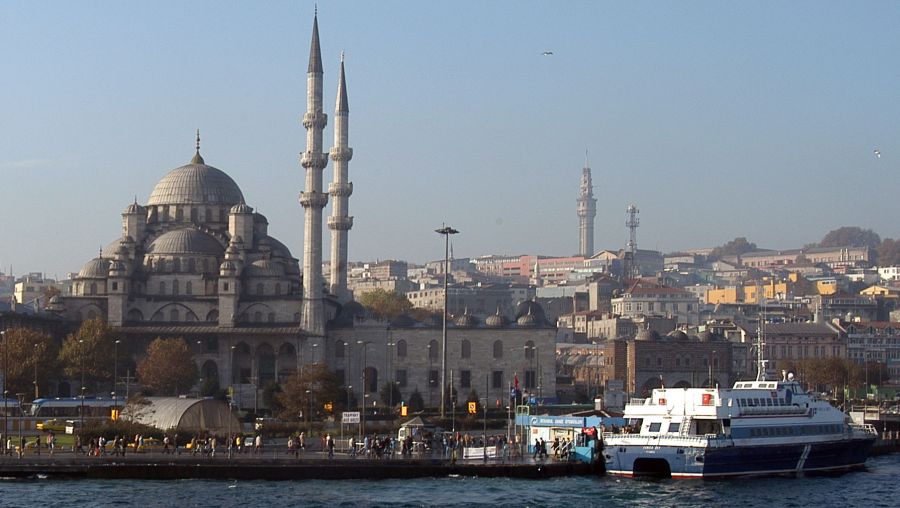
<point x="863" y="428"/>
<point x="639" y="401"/>
<point x="661" y="438"/>
<point x="773" y="410"/>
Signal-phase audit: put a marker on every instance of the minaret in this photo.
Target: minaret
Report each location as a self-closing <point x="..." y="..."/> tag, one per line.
<point x="587" y="210"/>
<point x="313" y="199"/>
<point x="340" y="190"/>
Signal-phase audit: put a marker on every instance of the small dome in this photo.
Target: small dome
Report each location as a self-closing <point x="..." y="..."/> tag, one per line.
<point x="186" y="241"/>
<point x="496" y="320"/>
<point x="530" y="307"/>
<point x="527" y="321"/>
<point x="241" y="208"/>
<point x="647" y="334"/>
<point x="677" y="335"/>
<point x="196" y="184"/>
<point x="97" y="268"/>
<point x="260" y="218"/>
<point x="227" y="267"/>
<point x="265" y="268"/>
<point x="466" y="320"/>
<point x="135" y="208"/>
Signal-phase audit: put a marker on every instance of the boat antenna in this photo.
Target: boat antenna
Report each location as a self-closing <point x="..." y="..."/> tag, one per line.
<point x="761" y="338"/>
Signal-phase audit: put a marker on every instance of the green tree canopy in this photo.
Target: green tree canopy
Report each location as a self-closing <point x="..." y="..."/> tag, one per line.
<point x="739" y="245"/>
<point x="23" y="350"/>
<point x="390" y="394"/>
<point x="168" y="368"/>
<point x="850" y="236"/>
<point x="323" y="387"/>
<point x="385" y="304"/>
<point x="91" y="347"/>
<point x="889" y="252"/>
<point x="416" y="403"/>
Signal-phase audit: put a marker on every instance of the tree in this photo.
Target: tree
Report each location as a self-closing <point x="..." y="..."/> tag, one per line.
<point x="850" y="236"/>
<point x="23" y="349"/>
<point x="323" y="386"/>
<point x="168" y="368"/>
<point x="738" y="246"/>
<point x="270" y="397"/>
<point x="416" y="403"/>
<point x="385" y="304"/>
<point x="390" y="394"/>
<point x="888" y="252"/>
<point x="91" y="347"/>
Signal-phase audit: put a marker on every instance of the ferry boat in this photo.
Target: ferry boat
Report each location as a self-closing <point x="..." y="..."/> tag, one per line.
<point x="759" y="427"/>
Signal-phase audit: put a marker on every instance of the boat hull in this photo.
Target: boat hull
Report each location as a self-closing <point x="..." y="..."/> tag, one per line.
<point x="733" y="461"/>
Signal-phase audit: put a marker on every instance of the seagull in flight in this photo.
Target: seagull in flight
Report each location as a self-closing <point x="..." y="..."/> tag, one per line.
<point x="547" y="53"/>
<point x="877" y="153"/>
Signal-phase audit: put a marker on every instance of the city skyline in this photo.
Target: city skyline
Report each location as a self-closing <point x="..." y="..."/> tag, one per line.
<point x="701" y="115"/>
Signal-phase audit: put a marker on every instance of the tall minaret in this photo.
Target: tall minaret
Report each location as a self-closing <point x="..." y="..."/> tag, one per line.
<point x="587" y="210"/>
<point x="340" y="190"/>
<point x="313" y="199"/>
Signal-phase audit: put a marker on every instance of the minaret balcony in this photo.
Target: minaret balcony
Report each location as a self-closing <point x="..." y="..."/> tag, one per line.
<point x="339" y="154"/>
<point x="340" y="223"/>
<point x="313" y="160"/>
<point x="313" y="199"/>
<point x="340" y="189"/>
<point x="316" y="120"/>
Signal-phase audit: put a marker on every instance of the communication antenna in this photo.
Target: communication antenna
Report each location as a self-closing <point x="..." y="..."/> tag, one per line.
<point x="632" y="223"/>
<point x="761" y="361"/>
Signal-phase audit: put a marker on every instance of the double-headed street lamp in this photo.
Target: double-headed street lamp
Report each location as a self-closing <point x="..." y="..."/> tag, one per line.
<point x="446" y="231"/>
<point x="81" y="348"/>
<point x="35" y="358"/>
<point x="115" y="390"/>
<point x="365" y="388"/>
<point x="5" y="384"/>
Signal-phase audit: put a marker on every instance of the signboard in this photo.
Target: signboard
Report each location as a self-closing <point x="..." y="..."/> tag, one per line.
<point x="350" y="417"/>
<point x="473" y="408"/>
<point x="556" y="421"/>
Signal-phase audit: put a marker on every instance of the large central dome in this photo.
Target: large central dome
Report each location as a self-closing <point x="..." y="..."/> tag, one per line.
<point x="196" y="184"/>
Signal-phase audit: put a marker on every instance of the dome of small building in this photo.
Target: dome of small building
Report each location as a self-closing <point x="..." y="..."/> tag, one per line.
<point x="227" y="267"/>
<point x="97" y="268"/>
<point x="265" y="268"/>
<point x="677" y="335"/>
<point x="647" y="334"/>
<point x="532" y="307"/>
<point x="278" y="249"/>
<point x="527" y="321"/>
<point x="496" y="320"/>
<point x="135" y="208"/>
<point x="186" y="241"/>
<point x="260" y="218"/>
<point x="466" y="320"/>
<point x="196" y="184"/>
<point x="241" y="208"/>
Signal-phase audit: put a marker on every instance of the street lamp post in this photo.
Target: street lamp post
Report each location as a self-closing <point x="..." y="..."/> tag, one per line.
<point x="115" y="391"/>
<point x="308" y="409"/>
<point x="5" y="387"/>
<point x="365" y="388"/>
<point x="21" y="397"/>
<point x="35" y="359"/>
<point x="81" y="348"/>
<point x="446" y="231"/>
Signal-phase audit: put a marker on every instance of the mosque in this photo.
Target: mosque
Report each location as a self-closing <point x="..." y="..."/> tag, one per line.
<point x="197" y="262"/>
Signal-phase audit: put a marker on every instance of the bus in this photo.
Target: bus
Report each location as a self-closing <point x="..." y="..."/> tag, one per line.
<point x="71" y="407"/>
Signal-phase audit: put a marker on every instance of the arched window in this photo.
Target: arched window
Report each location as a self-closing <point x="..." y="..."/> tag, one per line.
<point x="213" y="316"/>
<point x="498" y="349"/>
<point x="192" y="265"/>
<point x="93" y="288"/>
<point x="466" y="349"/>
<point x="340" y="348"/>
<point x="175" y="287"/>
<point x="401" y="348"/>
<point x="179" y="213"/>
<point x="277" y="288"/>
<point x="678" y="361"/>
<point x="434" y="350"/>
<point x="209" y="216"/>
<point x="195" y="215"/>
<point x="188" y="288"/>
<point x="687" y="361"/>
<point x="257" y="317"/>
<point x="271" y="317"/>
<point x="162" y="287"/>
<point x="259" y="288"/>
<point x="176" y="265"/>
<point x="173" y="315"/>
<point x="205" y="265"/>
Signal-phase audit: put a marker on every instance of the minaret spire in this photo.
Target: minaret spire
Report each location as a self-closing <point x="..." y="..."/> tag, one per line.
<point x="313" y="160"/>
<point x="587" y="210"/>
<point x="340" y="190"/>
<point x="197" y="158"/>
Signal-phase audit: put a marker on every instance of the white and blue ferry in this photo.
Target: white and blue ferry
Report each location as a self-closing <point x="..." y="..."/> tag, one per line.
<point x="756" y="428"/>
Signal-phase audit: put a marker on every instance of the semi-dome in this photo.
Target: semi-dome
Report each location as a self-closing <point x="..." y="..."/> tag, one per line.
<point x="265" y="268"/>
<point x="97" y="268"/>
<point x="677" y="335"/>
<point x="530" y="307"/>
<point x="186" y="241"/>
<point x="196" y="184"/>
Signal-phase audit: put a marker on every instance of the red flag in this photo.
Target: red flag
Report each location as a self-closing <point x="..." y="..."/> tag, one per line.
<point x="516" y="381"/>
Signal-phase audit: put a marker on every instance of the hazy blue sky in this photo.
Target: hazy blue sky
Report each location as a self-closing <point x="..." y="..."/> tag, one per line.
<point x="717" y="119"/>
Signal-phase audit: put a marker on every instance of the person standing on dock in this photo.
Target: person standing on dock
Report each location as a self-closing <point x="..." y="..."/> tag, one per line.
<point x="329" y="445"/>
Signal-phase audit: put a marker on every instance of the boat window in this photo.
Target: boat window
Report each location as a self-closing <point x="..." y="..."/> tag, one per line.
<point x="654" y="427"/>
<point x="780" y="401"/>
<point x="673" y="427"/>
<point x="769" y="402"/>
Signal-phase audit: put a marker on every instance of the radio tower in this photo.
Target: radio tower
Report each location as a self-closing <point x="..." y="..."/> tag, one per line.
<point x="632" y="222"/>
